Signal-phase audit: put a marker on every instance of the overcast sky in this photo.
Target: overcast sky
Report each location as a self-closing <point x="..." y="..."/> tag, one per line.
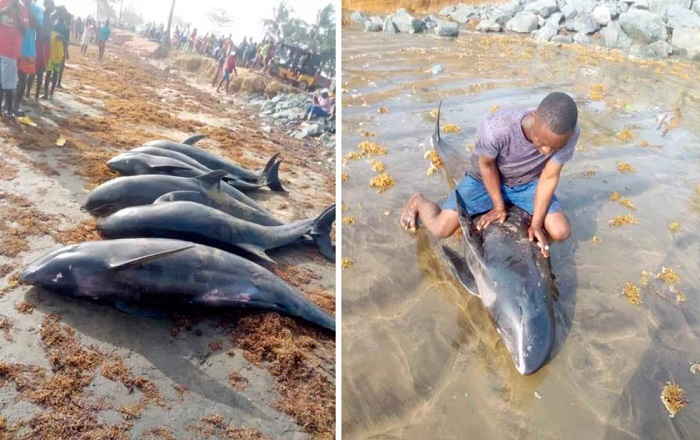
<point x="247" y="15"/>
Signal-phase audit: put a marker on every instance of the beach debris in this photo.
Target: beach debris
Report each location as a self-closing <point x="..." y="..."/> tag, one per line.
<point x="366" y="133"/>
<point x="349" y="220"/>
<point x="450" y="128"/>
<point x="382" y="182"/>
<point x="371" y="149"/>
<point x="596" y="239"/>
<point x="621" y="220"/>
<point x="674" y="227"/>
<point x="633" y="293"/>
<point x="346" y="263"/>
<point x="26" y="121"/>
<point x="668" y="276"/>
<point x="596" y="92"/>
<point x="627" y="203"/>
<point x="343" y="177"/>
<point x="695" y="368"/>
<point x="615" y="196"/>
<point x="61" y="142"/>
<point x="626" y="135"/>
<point x="494" y="108"/>
<point x="382" y="110"/>
<point x="378" y="166"/>
<point x="625" y="168"/>
<point x="673" y="398"/>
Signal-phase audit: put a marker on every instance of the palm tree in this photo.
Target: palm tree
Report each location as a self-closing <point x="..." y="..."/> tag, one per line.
<point x="275" y="25"/>
<point x="168" y="39"/>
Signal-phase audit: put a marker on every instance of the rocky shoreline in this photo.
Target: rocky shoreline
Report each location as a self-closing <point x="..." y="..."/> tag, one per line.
<point x="653" y="29"/>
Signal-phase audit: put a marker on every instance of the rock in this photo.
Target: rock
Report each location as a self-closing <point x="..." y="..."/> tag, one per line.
<point x="309" y="130"/>
<point x="614" y="37"/>
<point x="687" y="41"/>
<point x="643" y="26"/>
<point x="547" y="32"/>
<point x="543" y="8"/>
<point x="406" y="23"/>
<point x="677" y="16"/>
<point x="540" y="21"/>
<point x="389" y="26"/>
<point x="641" y="4"/>
<point x="582" y="38"/>
<point x="446" y="29"/>
<point x="374" y="24"/>
<point x="488" y="26"/>
<point x="555" y="19"/>
<point x="445" y="12"/>
<point x="658" y="50"/>
<point x="661" y="6"/>
<point x="266" y="129"/>
<point x="430" y="22"/>
<point x="523" y="22"/>
<point x="569" y="12"/>
<point x="501" y="15"/>
<point x="357" y="17"/>
<point x="463" y="13"/>
<point x="580" y="6"/>
<point x="696" y="7"/>
<point x="602" y="15"/>
<point x="583" y="22"/>
<point x="562" y="39"/>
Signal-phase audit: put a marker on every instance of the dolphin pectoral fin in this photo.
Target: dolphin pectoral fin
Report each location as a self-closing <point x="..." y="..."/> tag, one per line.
<point x="193" y="139"/>
<point x="192" y="196"/>
<point x="148" y="258"/>
<point x="257" y="251"/>
<point x="435" y="139"/>
<point x="460" y="270"/>
<point x="212" y="179"/>
<point x="132" y="309"/>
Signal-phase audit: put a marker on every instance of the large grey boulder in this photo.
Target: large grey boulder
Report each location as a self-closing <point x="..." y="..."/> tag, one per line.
<point x="555" y="19"/>
<point x="430" y="22"/>
<point x="643" y="26"/>
<point x="614" y="37"/>
<point x="547" y="32"/>
<point x="446" y="28"/>
<point x="586" y="6"/>
<point x="583" y="22"/>
<point x="661" y="6"/>
<point x="562" y="39"/>
<point x="582" y="38"/>
<point x="501" y="15"/>
<point x="463" y="13"/>
<point x="543" y="8"/>
<point x="687" y="41"/>
<point x="374" y="24"/>
<point x="641" y="4"/>
<point x="602" y="14"/>
<point x="446" y="12"/>
<point x="389" y="25"/>
<point x="569" y="12"/>
<point x="357" y="17"/>
<point x="488" y="26"/>
<point x="406" y="23"/>
<point x="659" y="50"/>
<point x="523" y="22"/>
<point x="677" y="16"/>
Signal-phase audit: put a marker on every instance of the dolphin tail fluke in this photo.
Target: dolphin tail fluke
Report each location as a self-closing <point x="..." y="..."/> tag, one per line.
<point x="435" y="139"/>
<point x="193" y="139"/>
<point x="321" y="233"/>
<point x="272" y="178"/>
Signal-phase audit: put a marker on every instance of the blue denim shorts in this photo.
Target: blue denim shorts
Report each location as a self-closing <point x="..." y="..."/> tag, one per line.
<point x="477" y="199"/>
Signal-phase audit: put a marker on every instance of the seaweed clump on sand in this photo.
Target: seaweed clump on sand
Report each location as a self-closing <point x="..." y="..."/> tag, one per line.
<point x="621" y="220"/>
<point x="382" y="182"/>
<point x="86" y="230"/>
<point x="633" y="293"/>
<point x="216" y="426"/>
<point x="673" y="398"/>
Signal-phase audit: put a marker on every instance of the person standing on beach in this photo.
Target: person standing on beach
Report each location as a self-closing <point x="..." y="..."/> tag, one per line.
<point x="230" y="67"/>
<point x="14" y="19"/>
<point x="58" y="53"/>
<point x="88" y="31"/>
<point x="43" y="50"/>
<point x="63" y="28"/>
<point x="102" y="37"/>
<point x="27" y="61"/>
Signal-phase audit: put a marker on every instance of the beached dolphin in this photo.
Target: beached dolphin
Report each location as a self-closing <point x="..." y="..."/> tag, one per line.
<point x="204" y="225"/>
<point x="208" y="159"/>
<point x="135" y="163"/>
<point x="507" y="272"/>
<point x="162" y="272"/>
<point x="123" y="192"/>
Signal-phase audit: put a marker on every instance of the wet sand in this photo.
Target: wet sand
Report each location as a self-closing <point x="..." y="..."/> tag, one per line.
<point x="69" y="367"/>
<point x="420" y="356"/>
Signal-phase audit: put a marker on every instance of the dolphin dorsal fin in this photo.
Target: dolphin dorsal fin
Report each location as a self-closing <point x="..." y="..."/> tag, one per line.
<point x="211" y="179"/>
<point x="193" y="139"/>
<point x="148" y="258"/>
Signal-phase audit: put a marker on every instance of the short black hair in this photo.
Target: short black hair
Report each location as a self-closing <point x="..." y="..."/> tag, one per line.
<point x="559" y="112"/>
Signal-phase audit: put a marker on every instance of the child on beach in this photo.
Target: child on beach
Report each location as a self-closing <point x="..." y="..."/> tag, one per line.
<point x="230" y="67"/>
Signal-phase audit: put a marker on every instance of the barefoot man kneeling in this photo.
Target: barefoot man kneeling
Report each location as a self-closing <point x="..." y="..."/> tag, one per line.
<point x="518" y="158"/>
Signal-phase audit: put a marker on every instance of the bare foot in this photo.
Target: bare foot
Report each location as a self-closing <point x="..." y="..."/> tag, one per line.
<point x="409" y="216"/>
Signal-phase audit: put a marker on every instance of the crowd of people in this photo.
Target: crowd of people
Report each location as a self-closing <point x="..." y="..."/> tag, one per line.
<point x="34" y="43"/>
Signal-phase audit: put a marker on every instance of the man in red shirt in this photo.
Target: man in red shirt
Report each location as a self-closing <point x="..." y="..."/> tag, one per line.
<point x="230" y="67"/>
<point x="14" y="19"/>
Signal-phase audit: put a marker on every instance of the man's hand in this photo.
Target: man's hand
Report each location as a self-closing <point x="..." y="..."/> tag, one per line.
<point x="537" y="233"/>
<point x="496" y="214"/>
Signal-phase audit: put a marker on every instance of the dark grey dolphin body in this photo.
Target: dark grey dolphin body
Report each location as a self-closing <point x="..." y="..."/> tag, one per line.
<point x="123" y="192"/>
<point x="207" y="159"/>
<point x="135" y="163"/>
<point x="507" y="272"/>
<point x="200" y="224"/>
<point x="161" y="272"/>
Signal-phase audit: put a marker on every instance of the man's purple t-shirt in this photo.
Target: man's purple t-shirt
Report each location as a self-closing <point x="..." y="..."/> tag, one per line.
<point x="501" y="136"/>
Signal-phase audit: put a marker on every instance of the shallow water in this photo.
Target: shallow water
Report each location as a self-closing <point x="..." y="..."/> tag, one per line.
<point x="420" y="356"/>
